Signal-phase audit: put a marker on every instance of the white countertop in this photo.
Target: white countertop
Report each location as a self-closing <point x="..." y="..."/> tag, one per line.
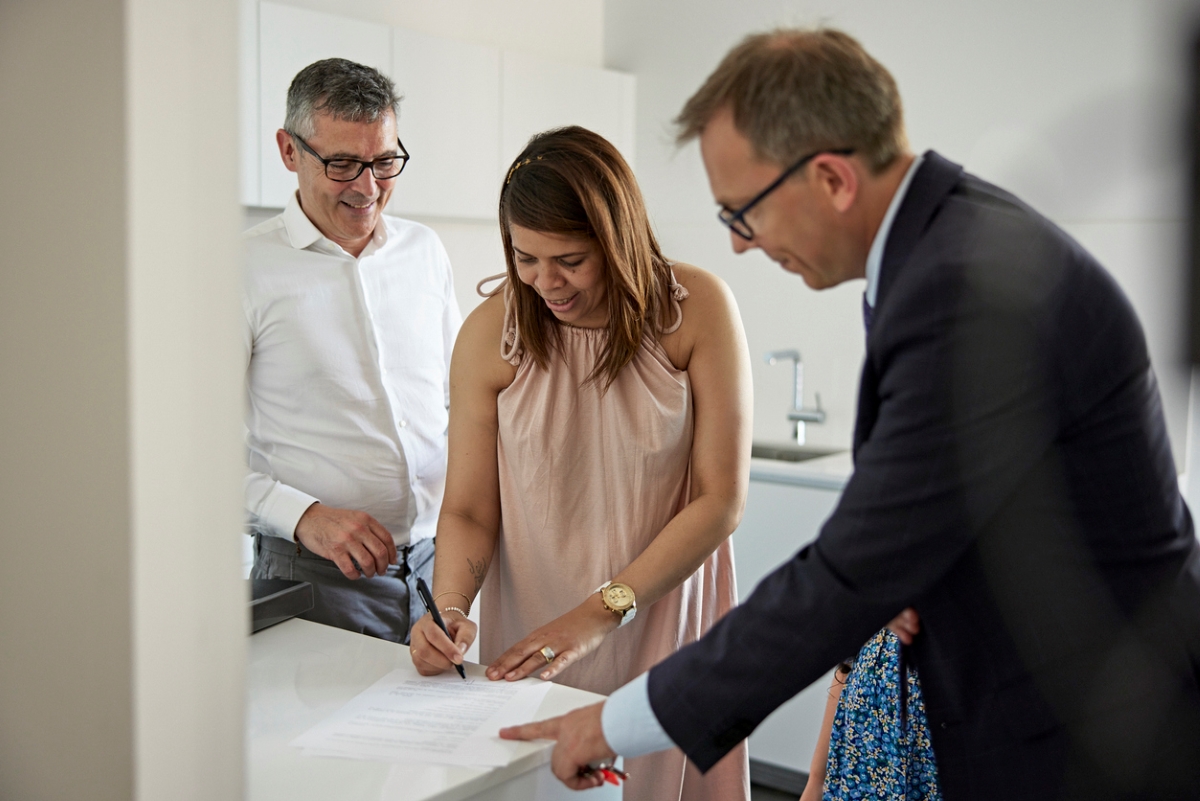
<point x="299" y="673"/>
<point x="825" y="472"/>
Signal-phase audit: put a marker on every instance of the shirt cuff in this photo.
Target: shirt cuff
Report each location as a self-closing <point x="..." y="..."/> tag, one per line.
<point x="628" y="721"/>
<point x="284" y="509"/>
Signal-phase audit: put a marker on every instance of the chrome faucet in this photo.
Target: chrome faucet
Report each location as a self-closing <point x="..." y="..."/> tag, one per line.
<point x="798" y="414"/>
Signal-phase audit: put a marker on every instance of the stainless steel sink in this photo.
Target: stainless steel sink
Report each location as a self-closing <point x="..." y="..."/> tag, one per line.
<point x="789" y="453"/>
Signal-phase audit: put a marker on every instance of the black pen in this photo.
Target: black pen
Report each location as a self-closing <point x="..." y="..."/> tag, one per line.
<point x="427" y="599"/>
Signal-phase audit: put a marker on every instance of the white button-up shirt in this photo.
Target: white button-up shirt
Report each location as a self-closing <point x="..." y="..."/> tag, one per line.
<point x="347" y="376"/>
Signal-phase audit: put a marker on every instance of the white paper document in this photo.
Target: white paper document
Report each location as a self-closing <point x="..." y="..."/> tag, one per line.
<point x="435" y="719"/>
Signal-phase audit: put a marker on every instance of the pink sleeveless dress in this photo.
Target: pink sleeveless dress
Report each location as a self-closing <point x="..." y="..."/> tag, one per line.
<point x="587" y="480"/>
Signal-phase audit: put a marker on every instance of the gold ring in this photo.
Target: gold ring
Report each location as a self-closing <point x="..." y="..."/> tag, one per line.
<point x="547" y="652"/>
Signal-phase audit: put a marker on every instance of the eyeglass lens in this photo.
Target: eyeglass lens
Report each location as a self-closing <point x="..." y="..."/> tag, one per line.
<point x="737" y="223"/>
<point x="347" y="170"/>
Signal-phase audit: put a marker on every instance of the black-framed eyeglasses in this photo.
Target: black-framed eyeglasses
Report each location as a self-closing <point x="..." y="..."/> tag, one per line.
<point x="345" y="170"/>
<point x="736" y="219"/>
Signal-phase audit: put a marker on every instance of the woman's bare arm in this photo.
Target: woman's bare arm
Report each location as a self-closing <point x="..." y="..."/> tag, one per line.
<point x="816" y="770"/>
<point x="469" y="522"/>
<point x="712" y="344"/>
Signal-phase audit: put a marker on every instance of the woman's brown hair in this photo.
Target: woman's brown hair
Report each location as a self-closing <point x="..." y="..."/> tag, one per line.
<point x="573" y="182"/>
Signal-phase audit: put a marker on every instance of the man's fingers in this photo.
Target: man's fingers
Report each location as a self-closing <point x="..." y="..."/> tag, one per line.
<point x="566" y="764"/>
<point x="332" y="533"/>
<point x="363" y="557"/>
<point x="587" y="782"/>
<point x="542" y="730"/>
<point x="580" y="740"/>
<point x="378" y="552"/>
<point x="567" y="770"/>
<point x="384" y="537"/>
<point x="346" y="565"/>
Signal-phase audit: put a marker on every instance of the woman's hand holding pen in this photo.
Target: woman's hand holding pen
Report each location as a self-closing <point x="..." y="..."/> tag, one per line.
<point x="569" y="637"/>
<point x="432" y="651"/>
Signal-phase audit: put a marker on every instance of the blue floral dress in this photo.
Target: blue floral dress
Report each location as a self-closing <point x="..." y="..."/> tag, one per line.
<point x="879" y="746"/>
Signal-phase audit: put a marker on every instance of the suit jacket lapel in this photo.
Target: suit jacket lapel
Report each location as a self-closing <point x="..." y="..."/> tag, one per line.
<point x="935" y="178"/>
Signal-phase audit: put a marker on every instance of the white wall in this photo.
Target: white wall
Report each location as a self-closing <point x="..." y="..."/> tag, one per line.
<point x="571" y="32"/>
<point x="122" y="620"/>
<point x="1074" y="105"/>
<point x="185" y="397"/>
<point x="65" y="628"/>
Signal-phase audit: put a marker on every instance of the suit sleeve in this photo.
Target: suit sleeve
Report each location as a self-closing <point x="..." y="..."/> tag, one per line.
<point x="958" y="404"/>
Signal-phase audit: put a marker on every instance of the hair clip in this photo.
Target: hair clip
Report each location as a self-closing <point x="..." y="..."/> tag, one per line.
<point x="517" y="166"/>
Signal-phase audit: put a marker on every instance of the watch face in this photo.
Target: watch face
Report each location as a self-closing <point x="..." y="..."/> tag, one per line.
<point x="618" y="597"/>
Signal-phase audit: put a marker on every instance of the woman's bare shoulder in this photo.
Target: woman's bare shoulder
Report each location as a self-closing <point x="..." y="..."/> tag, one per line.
<point x="707" y="295"/>
<point x="486" y="320"/>
<point x="709" y="311"/>
<point x="479" y="340"/>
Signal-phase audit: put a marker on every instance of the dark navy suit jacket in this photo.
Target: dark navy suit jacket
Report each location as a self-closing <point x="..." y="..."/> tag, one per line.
<point x="1014" y="483"/>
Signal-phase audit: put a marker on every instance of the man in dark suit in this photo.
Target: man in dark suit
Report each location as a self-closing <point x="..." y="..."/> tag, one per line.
<point x="1013" y="480"/>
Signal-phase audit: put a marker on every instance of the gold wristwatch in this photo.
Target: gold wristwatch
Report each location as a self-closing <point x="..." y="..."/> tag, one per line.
<point x="618" y="598"/>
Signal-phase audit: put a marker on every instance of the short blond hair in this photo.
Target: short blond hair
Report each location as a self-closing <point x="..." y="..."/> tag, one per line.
<point x="796" y="91"/>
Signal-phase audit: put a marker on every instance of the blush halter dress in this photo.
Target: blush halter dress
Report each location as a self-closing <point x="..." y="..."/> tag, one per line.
<point x="587" y="480"/>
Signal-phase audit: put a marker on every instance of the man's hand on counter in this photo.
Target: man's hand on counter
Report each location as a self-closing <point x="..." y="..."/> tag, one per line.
<point x="580" y="741"/>
<point x="346" y="537"/>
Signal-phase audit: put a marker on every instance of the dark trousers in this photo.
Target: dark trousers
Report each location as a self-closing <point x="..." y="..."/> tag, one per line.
<point x="384" y="606"/>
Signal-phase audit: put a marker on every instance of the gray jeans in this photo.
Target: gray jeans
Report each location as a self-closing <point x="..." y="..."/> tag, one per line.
<point x="383" y="606"/>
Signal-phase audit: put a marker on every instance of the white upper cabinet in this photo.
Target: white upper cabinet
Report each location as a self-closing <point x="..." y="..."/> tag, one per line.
<point x="539" y="94"/>
<point x="450" y="124"/>
<point x="289" y="40"/>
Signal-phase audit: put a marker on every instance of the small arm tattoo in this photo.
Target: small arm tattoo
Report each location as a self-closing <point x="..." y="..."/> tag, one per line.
<point x="478" y="570"/>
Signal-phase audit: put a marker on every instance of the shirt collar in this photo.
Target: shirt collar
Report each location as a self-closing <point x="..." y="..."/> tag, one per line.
<point x="303" y="234"/>
<point x="875" y="254"/>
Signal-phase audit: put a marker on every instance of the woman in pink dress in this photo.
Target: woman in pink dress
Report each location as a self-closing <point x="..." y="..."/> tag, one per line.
<point x="600" y="414"/>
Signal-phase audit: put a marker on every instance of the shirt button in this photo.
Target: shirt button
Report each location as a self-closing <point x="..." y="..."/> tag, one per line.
<point x="404" y="424"/>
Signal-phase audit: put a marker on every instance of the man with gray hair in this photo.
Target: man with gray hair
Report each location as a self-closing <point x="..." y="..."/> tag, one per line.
<point x="350" y="322"/>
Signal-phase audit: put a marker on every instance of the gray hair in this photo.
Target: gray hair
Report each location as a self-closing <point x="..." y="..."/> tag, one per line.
<point x="340" y="88"/>
<point x="794" y="91"/>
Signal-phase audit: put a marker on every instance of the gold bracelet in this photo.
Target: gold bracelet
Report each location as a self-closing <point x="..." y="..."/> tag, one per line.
<point x="455" y="609"/>
<point x="452" y="592"/>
